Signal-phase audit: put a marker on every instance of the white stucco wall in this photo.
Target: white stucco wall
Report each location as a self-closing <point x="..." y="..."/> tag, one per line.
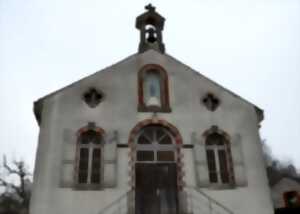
<point x="64" y="113"/>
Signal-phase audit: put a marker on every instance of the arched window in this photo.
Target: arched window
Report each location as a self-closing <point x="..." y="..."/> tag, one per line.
<point x="89" y="153"/>
<point x="153" y="89"/>
<point x="218" y="158"/>
<point x="155" y="144"/>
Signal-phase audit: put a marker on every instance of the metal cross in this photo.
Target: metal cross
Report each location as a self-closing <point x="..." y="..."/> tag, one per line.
<point x="150" y="8"/>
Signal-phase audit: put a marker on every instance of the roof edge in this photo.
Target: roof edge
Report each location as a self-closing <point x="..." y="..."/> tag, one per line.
<point x="38" y="104"/>
<point x="37" y="110"/>
<point x="260" y="114"/>
<point x="73" y="83"/>
<point x="259" y="111"/>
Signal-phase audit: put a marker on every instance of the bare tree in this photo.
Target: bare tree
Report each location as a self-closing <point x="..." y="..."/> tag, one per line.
<point x="17" y="191"/>
<point x="277" y="169"/>
<point x="267" y="152"/>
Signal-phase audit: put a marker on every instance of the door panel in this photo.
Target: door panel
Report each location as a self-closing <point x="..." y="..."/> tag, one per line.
<point x="145" y="194"/>
<point x="156" y="189"/>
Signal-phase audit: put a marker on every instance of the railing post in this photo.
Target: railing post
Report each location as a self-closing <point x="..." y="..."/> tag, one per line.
<point x="212" y="203"/>
<point x="130" y="202"/>
<point x="119" y="203"/>
<point x="192" y="204"/>
<point x="210" y="206"/>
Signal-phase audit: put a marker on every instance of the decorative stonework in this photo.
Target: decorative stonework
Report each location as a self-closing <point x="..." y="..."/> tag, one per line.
<point x="211" y="102"/>
<point x="92" y="97"/>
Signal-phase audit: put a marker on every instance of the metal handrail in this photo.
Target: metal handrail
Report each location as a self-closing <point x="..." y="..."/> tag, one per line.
<point x="210" y="200"/>
<point x="116" y="204"/>
<point x="124" y="203"/>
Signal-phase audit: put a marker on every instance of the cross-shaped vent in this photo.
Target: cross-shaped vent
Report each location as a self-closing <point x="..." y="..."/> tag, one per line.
<point x="211" y="102"/>
<point x="92" y="97"/>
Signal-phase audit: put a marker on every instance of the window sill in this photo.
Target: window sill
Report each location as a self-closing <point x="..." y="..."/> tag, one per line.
<point x="164" y="109"/>
<point x="88" y="187"/>
<point x="215" y="186"/>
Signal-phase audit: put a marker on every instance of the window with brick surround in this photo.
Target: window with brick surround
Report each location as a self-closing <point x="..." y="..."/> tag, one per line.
<point x="89" y="159"/>
<point x="153" y="89"/>
<point x="218" y="160"/>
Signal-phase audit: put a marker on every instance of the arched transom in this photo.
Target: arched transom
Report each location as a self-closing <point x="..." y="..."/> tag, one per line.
<point x="155" y="143"/>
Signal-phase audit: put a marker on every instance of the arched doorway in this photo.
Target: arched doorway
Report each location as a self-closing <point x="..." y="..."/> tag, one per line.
<point x="156" y="157"/>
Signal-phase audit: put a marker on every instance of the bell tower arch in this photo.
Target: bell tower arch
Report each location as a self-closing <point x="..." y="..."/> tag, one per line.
<point x="150" y="24"/>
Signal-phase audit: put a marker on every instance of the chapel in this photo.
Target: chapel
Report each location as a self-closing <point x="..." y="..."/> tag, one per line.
<point x="148" y="135"/>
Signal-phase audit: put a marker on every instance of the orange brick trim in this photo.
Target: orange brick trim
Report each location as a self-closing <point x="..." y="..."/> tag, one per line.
<point x="178" y="141"/>
<point x="164" y="89"/>
<point x="90" y="126"/>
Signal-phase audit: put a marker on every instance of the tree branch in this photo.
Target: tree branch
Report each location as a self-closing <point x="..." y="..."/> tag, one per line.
<point x="9" y="185"/>
<point x="7" y="167"/>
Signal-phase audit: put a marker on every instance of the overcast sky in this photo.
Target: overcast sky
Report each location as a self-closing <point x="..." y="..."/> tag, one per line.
<point x="250" y="47"/>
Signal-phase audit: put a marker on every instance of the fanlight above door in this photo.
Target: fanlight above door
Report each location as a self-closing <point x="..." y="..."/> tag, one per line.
<point x="155" y="144"/>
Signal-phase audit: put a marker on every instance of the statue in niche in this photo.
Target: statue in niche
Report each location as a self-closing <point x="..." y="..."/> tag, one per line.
<point x="152" y="96"/>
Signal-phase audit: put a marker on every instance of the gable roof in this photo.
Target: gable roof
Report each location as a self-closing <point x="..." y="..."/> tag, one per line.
<point x="38" y="105"/>
<point x="259" y="111"/>
<point x="275" y="176"/>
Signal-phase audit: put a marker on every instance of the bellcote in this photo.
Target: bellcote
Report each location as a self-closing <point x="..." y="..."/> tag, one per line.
<point x="151" y="25"/>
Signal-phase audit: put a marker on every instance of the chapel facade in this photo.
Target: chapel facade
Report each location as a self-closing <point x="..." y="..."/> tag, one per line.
<point x="148" y="135"/>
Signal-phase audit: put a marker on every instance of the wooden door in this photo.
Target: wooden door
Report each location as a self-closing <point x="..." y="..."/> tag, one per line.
<point x="156" y="188"/>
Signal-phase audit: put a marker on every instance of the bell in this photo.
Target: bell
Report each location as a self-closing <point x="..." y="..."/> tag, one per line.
<point x="151" y="37"/>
